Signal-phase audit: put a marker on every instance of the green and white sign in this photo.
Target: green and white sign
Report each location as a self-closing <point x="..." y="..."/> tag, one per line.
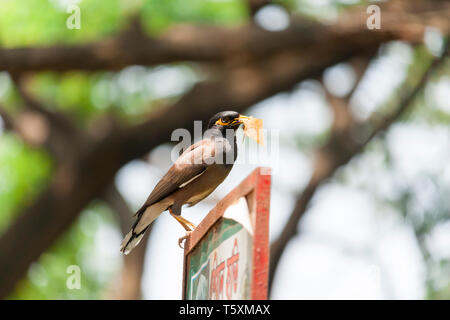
<point x="226" y="257"/>
<point x="220" y="266"/>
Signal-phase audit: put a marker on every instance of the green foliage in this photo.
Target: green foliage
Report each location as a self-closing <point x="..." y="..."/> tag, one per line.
<point x="87" y="95"/>
<point x="159" y="15"/>
<point x="47" y="278"/>
<point x="38" y="22"/>
<point x="69" y="92"/>
<point x="320" y="10"/>
<point x="127" y="94"/>
<point x="23" y="172"/>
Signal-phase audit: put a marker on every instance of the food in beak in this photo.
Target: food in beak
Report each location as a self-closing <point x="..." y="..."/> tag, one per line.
<point x="253" y="128"/>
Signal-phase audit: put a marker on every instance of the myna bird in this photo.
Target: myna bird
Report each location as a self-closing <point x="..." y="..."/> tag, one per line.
<point x="194" y="175"/>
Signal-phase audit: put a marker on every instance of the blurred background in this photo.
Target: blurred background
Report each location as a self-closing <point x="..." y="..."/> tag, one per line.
<point x="357" y="124"/>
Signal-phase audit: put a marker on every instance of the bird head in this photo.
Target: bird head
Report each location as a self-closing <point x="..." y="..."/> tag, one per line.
<point x="226" y="120"/>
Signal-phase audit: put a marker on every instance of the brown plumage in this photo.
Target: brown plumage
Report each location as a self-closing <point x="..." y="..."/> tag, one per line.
<point x="195" y="174"/>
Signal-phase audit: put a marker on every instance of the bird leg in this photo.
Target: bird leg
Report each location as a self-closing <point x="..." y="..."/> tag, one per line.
<point x="187" y="225"/>
<point x="175" y="211"/>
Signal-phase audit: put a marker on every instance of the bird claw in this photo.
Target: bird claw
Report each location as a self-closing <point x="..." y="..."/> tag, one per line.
<point x="183" y="239"/>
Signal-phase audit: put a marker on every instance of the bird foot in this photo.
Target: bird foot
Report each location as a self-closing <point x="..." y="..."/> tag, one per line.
<point x="183" y="239"/>
<point x="186" y="224"/>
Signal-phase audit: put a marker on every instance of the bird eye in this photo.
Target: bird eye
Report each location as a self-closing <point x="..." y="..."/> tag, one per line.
<point x="223" y="121"/>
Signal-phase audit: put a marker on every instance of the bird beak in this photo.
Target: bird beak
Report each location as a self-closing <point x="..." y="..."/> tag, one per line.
<point x="241" y="119"/>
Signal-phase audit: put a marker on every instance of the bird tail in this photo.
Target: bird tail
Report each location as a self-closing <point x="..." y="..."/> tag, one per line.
<point x="131" y="240"/>
<point x="145" y="216"/>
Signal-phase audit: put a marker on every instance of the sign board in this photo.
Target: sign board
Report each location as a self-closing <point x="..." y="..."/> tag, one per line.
<point x="227" y="256"/>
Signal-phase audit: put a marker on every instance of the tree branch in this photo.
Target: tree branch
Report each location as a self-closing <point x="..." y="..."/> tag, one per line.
<point x="132" y="270"/>
<point x="40" y="126"/>
<point x="75" y="184"/>
<point x="256" y="65"/>
<point x="215" y="44"/>
<point x="8" y="122"/>
<point x="254" y="5"/>
<point x="331" y="157"/>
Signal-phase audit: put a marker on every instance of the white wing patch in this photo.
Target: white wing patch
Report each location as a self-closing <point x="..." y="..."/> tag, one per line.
<point x="192" y="179"/>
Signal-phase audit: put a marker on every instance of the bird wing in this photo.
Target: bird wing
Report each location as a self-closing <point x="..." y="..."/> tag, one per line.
<point x="189" y="166"/>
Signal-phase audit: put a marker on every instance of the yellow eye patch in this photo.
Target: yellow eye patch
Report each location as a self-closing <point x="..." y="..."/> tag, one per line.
<point x="220" y="122"/>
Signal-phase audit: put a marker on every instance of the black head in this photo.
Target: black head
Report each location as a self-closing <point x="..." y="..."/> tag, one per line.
<point x="225" y="120"/>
